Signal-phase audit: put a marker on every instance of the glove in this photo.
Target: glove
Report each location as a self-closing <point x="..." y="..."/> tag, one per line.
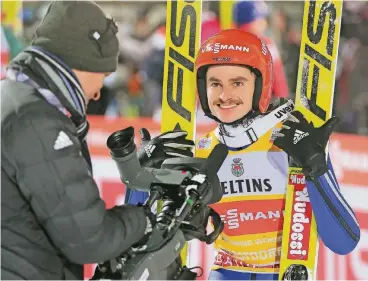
<point x="152" y="153"/>
<point x="305" y="143"/>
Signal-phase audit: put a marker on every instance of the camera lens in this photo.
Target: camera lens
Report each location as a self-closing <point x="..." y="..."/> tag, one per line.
<point x="121" y="143"/>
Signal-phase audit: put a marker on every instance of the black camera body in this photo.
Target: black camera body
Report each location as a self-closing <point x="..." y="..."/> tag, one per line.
<point x="183" y="185"/>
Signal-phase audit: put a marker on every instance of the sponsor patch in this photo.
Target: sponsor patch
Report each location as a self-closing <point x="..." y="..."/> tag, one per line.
<point x="218" y="47"/>
<point x="204" y="143"/>
<point x="237" y="168"/>
<point x="251" y="217"/>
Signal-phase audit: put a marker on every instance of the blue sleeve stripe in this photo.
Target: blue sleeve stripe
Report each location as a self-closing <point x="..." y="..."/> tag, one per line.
<point x="331" y="175"/>
<point x="332" y="183"/>
<point x="336" y="189"/>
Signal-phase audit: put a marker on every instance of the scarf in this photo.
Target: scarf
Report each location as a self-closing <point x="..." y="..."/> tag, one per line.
<point x="56" y="83"/>
<point x="240" y="136"/>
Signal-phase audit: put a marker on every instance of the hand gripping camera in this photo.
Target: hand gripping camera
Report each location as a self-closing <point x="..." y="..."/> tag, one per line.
<point x="183" y="185"/>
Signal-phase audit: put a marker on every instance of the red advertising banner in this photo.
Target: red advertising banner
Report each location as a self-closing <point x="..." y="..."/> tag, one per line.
<point x="300" y="226"/>
<point x="349" y="155"/>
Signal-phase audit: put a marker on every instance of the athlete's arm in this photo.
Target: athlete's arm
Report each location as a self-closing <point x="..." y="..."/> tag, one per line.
<point x="336" y="222"/>
<point x="305" y="143"/>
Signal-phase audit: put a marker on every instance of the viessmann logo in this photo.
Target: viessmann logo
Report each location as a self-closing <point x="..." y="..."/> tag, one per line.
<point x="217" y="47"/>
<point x="251" y="216"/>
<point x="233" y="218"/>
<point x="301" y="220"/>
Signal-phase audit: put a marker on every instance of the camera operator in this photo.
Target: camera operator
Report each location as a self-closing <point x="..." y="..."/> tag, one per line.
<point x="52" y="218"/>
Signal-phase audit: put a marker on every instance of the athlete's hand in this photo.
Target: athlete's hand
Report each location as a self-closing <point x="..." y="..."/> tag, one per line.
<point x="305" y="143"/>
<point x="153" y="152"/>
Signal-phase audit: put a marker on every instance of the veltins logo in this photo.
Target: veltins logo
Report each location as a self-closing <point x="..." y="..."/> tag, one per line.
<point x="237" y="167"/>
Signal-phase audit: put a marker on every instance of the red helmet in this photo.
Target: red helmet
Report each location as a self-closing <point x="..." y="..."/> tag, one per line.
<point x="236" y="47"/>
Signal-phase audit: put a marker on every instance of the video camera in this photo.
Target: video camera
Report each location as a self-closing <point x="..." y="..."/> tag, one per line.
<point x="184" y="185"/>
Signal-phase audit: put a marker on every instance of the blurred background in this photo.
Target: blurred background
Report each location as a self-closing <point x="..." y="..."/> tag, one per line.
<point x="132" y="95"/>
<point x="135" y="89"/>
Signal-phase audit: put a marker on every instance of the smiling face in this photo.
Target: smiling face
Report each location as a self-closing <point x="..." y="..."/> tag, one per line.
<point x="230" y="90"/>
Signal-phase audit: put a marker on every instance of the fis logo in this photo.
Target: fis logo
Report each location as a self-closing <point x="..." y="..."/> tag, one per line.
<point x="299" y="135"/>
<point x="182" y="42"/>
<point x="319" y="55"/>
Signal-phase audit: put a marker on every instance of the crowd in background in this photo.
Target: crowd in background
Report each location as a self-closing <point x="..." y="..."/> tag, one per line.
<point x="135" y="89"/>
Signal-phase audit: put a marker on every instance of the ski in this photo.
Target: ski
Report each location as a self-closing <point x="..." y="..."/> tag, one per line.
<point x="183" y="30"/>
<point x="314" y="98"/>
<point x="226" y="13"/>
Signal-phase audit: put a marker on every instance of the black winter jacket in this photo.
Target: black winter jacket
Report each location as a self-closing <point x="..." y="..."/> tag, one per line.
<point x="52" y="218"/>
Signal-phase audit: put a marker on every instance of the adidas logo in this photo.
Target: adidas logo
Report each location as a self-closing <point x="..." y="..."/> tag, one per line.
<point x="149" y="149"/>
<point x="299" y="135"/>
<point x="62" y="141"/>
